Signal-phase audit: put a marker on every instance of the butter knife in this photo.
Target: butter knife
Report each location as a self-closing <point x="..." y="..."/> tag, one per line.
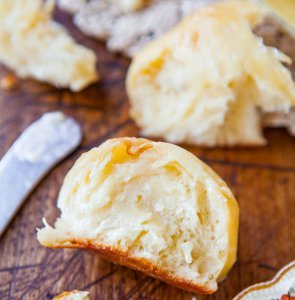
<point x="37" y="150"/>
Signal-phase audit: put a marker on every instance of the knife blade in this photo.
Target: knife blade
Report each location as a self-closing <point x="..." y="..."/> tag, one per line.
<point x="37" y="150"/>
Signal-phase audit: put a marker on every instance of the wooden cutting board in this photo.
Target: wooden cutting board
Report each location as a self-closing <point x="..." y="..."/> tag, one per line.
<point x="262" y="179"/>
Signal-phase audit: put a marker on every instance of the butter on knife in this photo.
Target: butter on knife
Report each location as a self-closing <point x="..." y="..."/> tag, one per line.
<point x="38" y="149"/>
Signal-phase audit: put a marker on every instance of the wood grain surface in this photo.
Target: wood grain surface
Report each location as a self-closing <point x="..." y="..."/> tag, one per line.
<point x="262" y="179"/>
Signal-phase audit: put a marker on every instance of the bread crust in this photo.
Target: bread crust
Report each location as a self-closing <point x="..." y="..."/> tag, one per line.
<point x="61" y="296"/>
<point x="122" y="149"/>
<point x="118" y="256"/>
<point x="65" y="294"/>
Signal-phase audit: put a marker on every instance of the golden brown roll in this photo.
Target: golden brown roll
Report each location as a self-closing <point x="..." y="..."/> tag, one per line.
<point x="151" y="206"/>
<point x="207" y="81"/>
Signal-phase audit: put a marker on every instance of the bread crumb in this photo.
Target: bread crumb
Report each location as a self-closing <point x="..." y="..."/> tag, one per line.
<point x="73" y="295"/>
<point x="33" y="45"/>
<point x="8" y="82"/>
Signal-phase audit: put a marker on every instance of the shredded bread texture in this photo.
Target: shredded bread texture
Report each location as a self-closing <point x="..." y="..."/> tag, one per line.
<point x="207" y="81"/>
<point x="151" y="206"/>
<point x="33" y="45"/>
<point x="72" y="295"/>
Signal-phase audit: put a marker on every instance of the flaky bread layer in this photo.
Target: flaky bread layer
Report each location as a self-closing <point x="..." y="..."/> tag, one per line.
<point x="33" y="45"/>
<point x="208" y="80"/>
<point x="125" y="259"/>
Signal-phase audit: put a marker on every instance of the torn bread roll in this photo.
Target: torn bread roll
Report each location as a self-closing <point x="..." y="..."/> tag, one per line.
<point x="208" y="80"/>
<point x="72" y="295"/>
<point x="150" y="206"/>
<point x="33" y="45"/>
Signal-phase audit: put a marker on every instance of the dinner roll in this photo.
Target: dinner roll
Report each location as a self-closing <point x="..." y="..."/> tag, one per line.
<point x="33" y="45"/>
<point x="207" y="81"/>
<point x="151" y="206"/>
<point x="73" y="295"/>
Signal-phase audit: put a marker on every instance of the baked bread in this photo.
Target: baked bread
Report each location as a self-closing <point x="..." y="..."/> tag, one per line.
<point x="33" y="45"/>
<point x="150" y="206"/>
<point x="128" y="31"/>
<point x="207" y="81"/>
<point x="72" y="295"/>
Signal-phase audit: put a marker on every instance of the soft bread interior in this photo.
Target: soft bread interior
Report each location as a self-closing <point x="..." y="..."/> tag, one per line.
<point x="154" y="201"/>
<point x="33" y="45"/>
<point x="206" y="81"/>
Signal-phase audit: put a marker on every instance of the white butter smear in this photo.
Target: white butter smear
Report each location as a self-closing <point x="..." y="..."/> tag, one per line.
<point x="46" y="138"/>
